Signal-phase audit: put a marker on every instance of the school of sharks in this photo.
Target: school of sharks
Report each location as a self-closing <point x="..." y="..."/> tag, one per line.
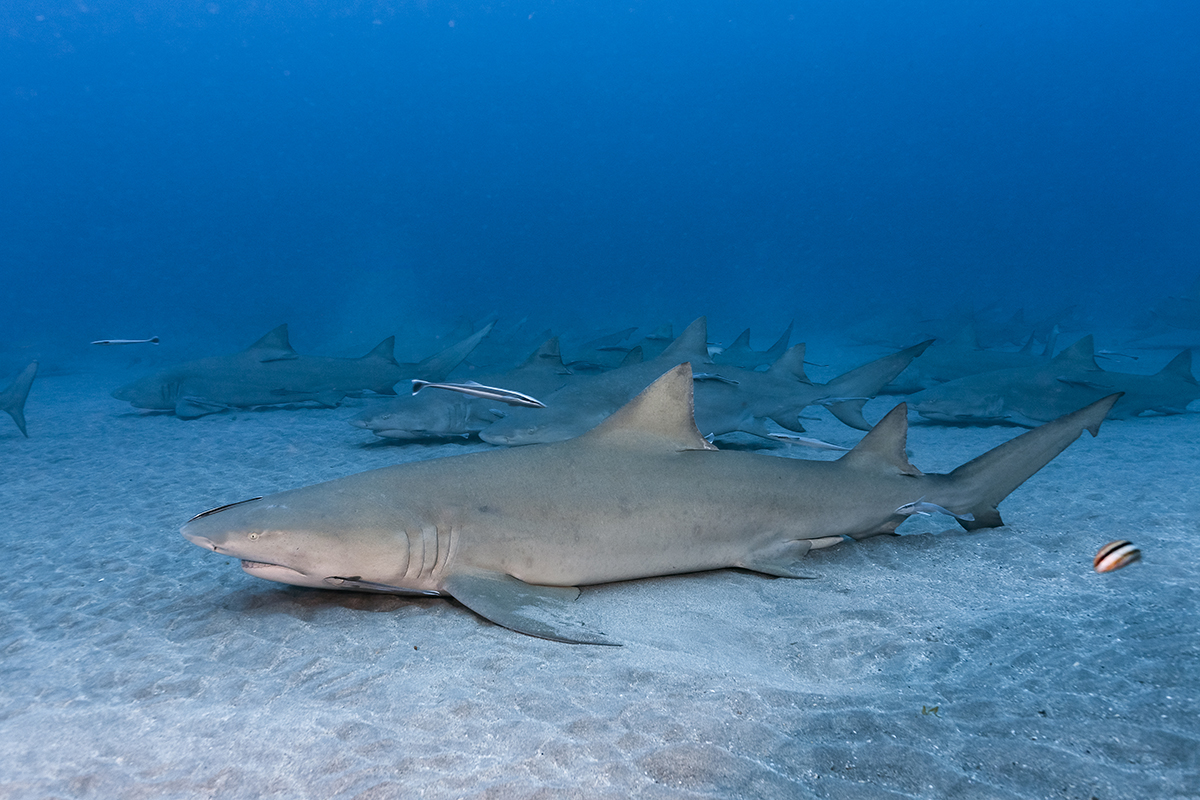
<point x="608" y="465"/>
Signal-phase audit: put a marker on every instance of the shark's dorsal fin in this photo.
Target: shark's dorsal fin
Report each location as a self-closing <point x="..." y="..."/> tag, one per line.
<point x="662" y="415"/>
<point x="385" y="350"/>
<point x="1080" y="355"/>
<point x="634" y="356"/>
<point x="782" y="342"/>
<point x="1180" y="367"/>
<point x="692" y="344"/>
<point x="742" y="342"/>
<point x="885" y="445"/>
<point x="546" y="355"/>
<point x="273" y="347"/>
<point x="791" y="364"/>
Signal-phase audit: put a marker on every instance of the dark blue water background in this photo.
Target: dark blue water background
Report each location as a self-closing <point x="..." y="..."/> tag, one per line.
<point x="211" y="169"/>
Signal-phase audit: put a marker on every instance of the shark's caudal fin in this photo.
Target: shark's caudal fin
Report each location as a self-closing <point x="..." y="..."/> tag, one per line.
<point x="865" y="382"/>
<point x="439" y="365"/>
<point x="978" y="486"/>
<point x="12" y="399"/>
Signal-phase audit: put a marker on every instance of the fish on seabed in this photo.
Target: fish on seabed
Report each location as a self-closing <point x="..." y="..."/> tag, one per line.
<point x="1115" y="555"/>
<point x="511" y="534"/>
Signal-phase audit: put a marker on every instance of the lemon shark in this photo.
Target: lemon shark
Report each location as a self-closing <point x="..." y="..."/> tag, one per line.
<point x="271" y="372"/>
<point x="1031" y="395"/>
<point x="12" y="399"/>
<point x="512" y="533"/>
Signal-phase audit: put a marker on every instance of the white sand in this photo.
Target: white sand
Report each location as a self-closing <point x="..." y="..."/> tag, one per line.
<point x="137" y="665"/>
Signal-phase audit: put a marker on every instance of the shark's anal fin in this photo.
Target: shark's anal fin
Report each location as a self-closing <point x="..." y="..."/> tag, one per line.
<point x="533" y="610"/>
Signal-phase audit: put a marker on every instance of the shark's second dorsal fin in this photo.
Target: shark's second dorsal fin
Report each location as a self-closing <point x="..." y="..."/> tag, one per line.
<point x="885" y="445"/>
<point x="663" y="414"/>
<point x="1080" y="355"/>
<point x="692" y="344"/>
<point x="274" y="346"/>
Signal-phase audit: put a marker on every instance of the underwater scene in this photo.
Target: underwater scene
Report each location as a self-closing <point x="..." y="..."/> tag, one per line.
<point x="563" y="399"/>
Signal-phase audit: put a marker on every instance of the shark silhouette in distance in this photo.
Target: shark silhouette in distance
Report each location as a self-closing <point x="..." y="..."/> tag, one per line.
<point x="728" y="399"/>
<point x="1029" y="396"/>
<point x="512" y="533"/>
<point x="270" y="372"/>
<point x="12" y="399"/>
<point x="428" y="415"/>
<point x="740" y="354"/>
<point x="963" y="356"/>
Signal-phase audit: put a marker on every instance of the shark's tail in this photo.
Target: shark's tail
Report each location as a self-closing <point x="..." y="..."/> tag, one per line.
<point x="12" y="399"/>
<point x="860" y="384"/>
<point x="977" y="487"/>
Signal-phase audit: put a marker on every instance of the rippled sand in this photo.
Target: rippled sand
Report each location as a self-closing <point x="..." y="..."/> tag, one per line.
<point x="991" y="664"/>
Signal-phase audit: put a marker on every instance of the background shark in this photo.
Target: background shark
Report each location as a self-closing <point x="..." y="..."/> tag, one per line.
<point x="270" y="372"/>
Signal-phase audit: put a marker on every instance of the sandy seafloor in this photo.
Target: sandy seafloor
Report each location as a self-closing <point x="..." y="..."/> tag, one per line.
<point x="135" y="664"/>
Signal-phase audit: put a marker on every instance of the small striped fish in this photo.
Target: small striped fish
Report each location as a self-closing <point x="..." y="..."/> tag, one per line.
<point x="1115" y="555"/>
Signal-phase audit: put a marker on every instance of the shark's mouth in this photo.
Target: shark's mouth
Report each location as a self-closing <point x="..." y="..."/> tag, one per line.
<point x="253" y="565"/>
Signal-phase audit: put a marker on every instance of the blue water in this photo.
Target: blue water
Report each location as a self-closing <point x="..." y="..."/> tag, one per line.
<point x="214" y="167"/>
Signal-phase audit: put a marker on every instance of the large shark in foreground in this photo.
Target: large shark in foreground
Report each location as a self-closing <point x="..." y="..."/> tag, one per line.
<point x="271" y="372"/>
<point x="511" y="533"/>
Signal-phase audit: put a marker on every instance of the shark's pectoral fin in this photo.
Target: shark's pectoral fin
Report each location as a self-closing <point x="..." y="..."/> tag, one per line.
<point x="781" y="559"/>
<point x="539" y="611"/>
<point x="192" y="407"/>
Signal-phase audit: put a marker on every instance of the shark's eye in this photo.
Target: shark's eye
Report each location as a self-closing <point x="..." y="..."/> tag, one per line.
<point x="254" y="536"/>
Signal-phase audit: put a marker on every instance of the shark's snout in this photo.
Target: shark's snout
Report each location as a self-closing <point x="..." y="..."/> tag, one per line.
<point x="200" y="541"/>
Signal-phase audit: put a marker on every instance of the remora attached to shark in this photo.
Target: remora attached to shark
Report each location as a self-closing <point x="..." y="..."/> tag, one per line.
<point x="511" y="533"/>
<point x="270" y="372"/>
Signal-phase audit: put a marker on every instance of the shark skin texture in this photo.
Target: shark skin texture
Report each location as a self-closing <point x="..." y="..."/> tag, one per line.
<point x="270" y="372"/>
<point x="12" y="399"/>
<point x="1029" y="396"/>
<point x="512" y="533"/>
